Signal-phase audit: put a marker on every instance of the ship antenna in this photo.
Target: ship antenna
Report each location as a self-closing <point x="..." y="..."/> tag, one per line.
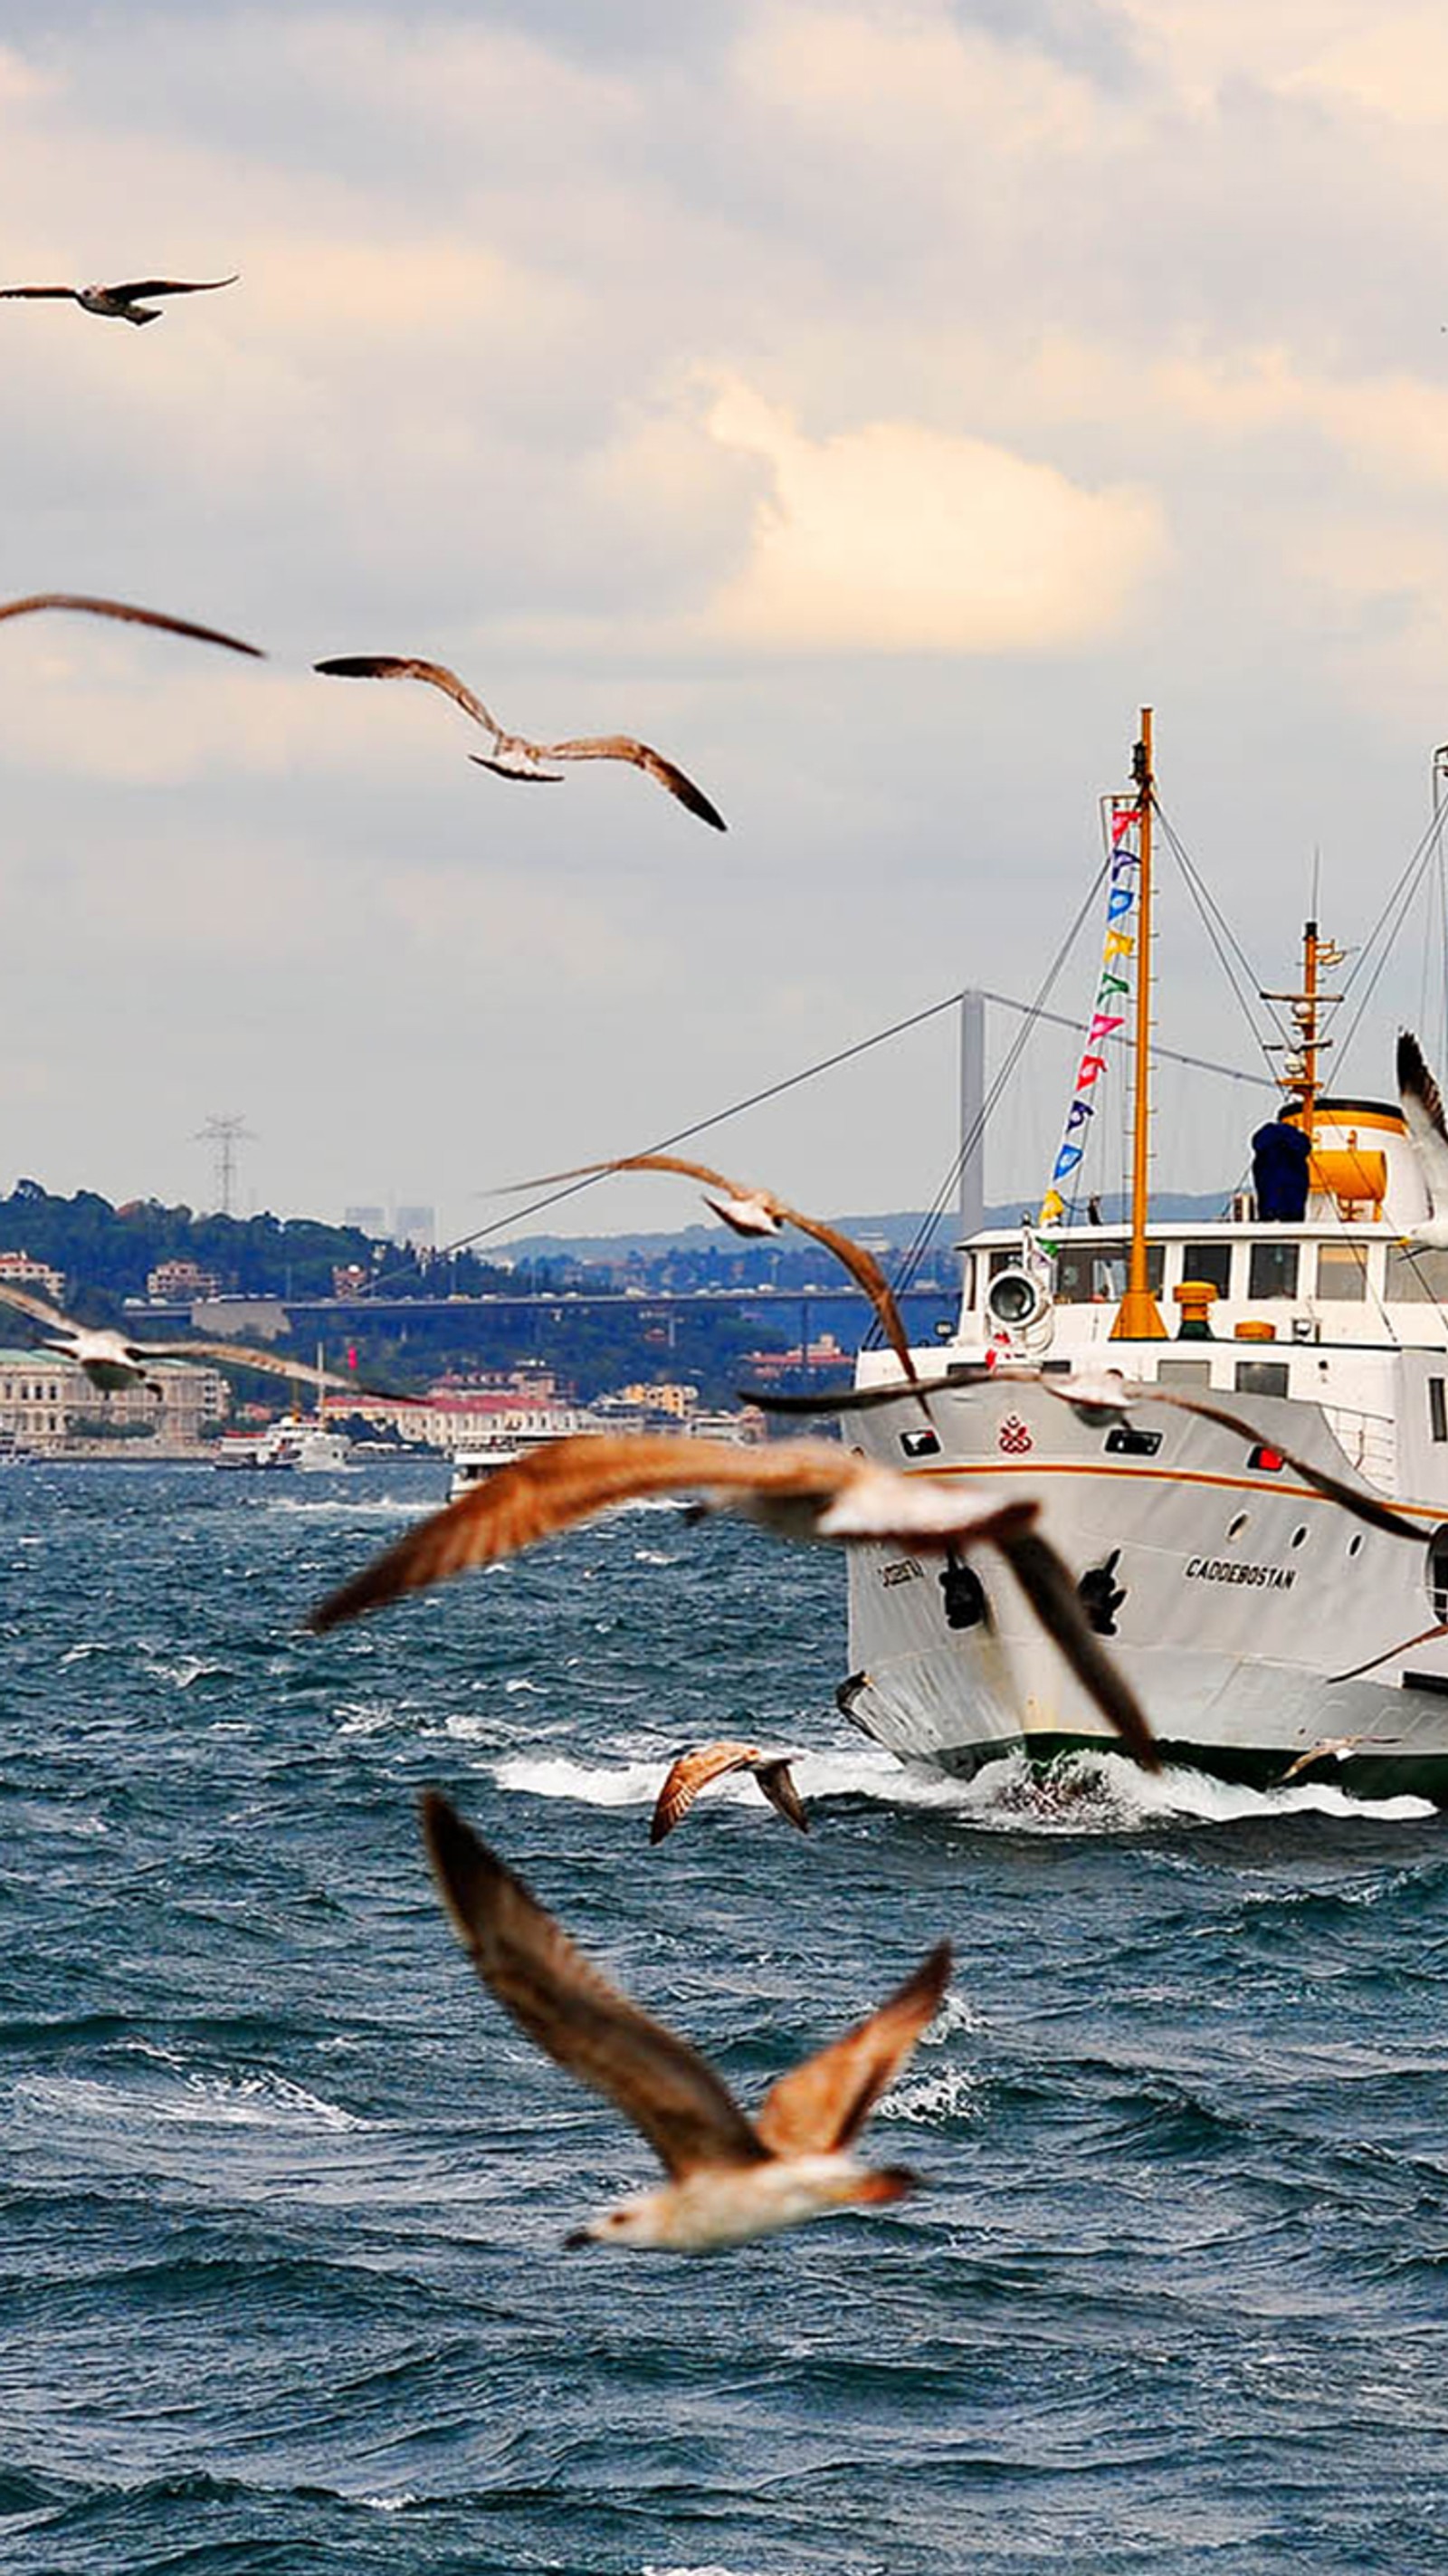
<point x="1139" y="1317"/>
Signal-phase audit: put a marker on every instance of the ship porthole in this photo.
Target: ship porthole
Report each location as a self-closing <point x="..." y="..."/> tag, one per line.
<point x="1354" y="1545"/>
<point x="1236" y="1527"/>
<point x="1298" y="1535"/>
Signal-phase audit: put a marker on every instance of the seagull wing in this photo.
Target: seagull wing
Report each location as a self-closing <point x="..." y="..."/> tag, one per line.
<point x="860" y="1399"/>
<point x="130" y="616"/>
<point x="136" y="286"/>
<point x="572" y="2012"/>
<point x="703" y="1172"/>
<point x="398" y="666"/>
<point x="567" y="1482"/>
<point x="244" y="1355"/>
<point x="35" y="1307"/>
<point x="866" y="1272"/>
<point x="622" y="746"/>
<point x="1046" y="1582"/>
<point x="1423" y="1111"/>
<point x="777" y="1782"/>
<point x="692" y="1772"/>
<point x="821" y="2106"/>
<point x="39" y="290"/>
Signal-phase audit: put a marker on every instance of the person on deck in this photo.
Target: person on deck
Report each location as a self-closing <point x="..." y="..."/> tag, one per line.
<point x="1281" y="1153"/>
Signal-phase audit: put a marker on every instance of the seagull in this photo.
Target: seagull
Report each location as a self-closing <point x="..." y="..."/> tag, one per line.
<point x="111" y="1361"/>
<point x="129" y="616"/>
<point x="513" y="756"/>
<point x="693" y="1771"/>
<point x="1098" y="1397"/>
<point x="805" y="1489"/>
<point x="123" y="303"/>
<point x="753" y="1212"/>
<point x="729" y="2178"/>
<point x="1423" y="1113"/>
<point x="1340" y="1746"/>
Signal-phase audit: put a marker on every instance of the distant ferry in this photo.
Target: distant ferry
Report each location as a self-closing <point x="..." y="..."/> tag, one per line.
<point x="283" y="1446"/>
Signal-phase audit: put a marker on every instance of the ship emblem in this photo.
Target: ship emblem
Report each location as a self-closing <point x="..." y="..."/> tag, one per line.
<point x="1014" y="1436"/>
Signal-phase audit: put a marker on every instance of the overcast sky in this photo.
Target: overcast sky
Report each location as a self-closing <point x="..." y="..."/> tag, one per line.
<point x="870" y="405"/>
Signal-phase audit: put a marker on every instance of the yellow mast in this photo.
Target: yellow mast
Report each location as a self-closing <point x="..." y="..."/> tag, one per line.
<point x="1139" y="1317"/>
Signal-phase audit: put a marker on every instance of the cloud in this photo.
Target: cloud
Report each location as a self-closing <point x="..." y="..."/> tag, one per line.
<point x="896" y="538"/>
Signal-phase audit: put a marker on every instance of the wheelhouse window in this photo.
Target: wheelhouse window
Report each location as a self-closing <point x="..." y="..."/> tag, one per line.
<point x="1342" y="1271"/>
<point x="1209" y="1261"/>
<point x="1416" y="1278"/>
<point x="1273" y="1271"/>
<point x="1437" y="1410"/>
<point x="1262" y="1377"/>
<point x="1091" y="1269"/>
<point x="1196" y="1373"/>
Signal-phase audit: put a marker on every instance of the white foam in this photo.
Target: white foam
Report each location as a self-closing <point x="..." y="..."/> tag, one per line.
<point x="390" y="2503"/>
<point x="945" y="2093"/>
<point x="187" y="2094"/>
<point x="191" y="1668"/>
<point x="1088" y="1793"/>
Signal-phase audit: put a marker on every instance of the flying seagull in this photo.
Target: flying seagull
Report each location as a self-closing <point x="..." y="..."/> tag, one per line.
<point x="729" y="2177"/>
<point x="111" y="1361"/>
<point x="693" y="1771"/>
<point x="124" y="303"/>
<point x="805" y="1489"/>
<point x="1423" y="1113"/>
<point x="129" y="616"/>
<point x="1338" y="1746"/>
<point x="513" y="756"/>
<point x="1098" y="1397"/>
<point x="751" y="1211"/>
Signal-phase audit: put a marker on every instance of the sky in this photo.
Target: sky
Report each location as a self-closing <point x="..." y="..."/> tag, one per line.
<point x="871" y="405"/>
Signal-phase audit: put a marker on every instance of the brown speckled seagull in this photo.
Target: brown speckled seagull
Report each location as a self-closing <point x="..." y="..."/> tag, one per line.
<point x="729" y="2178"/>
<point x="128" y="616"/>
<point x="802" y="1489"/>
<point x="513" y="756"/>
<point x="123" y="303"/>
<point x="694" y="1770"/>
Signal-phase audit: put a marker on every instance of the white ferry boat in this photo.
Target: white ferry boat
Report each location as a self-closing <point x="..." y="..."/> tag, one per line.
<point x="284" y="1445"/>
<point x="1259" y="1622"/>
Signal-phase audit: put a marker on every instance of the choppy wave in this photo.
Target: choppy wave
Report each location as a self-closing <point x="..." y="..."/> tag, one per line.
<point x="169" y="2088"/>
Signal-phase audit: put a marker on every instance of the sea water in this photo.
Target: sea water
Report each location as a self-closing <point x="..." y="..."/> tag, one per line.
<point x="284" y="2194"/>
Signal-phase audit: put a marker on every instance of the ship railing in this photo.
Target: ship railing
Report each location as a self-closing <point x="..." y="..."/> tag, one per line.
<point x="1369" y="1441"/>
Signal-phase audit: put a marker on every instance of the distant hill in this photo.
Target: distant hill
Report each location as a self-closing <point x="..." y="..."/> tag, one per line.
<point x="898" y="1228"/>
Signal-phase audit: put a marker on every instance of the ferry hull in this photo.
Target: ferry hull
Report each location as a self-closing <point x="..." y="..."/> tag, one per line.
<point x="1256" y="1621"/>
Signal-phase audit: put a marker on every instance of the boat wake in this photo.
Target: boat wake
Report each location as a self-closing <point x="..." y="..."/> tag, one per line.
<point x="1088" y="1793"/>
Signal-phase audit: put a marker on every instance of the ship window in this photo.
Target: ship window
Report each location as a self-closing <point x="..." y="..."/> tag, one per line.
<point x="1416" y="1277"/>
<point x="1091" y="1269"/>
<point x="1273" y="1271"/>
<point x="1210" y="1261"/>
<point x="1008" y="1257"/>
<point x="1437" y="1411"/>
<point x="1261" y="1377"/>
<point x="1125" y="1441"/>
<point x="1298" y="1535"/>
<point x="1342" y="1271"/>
<point x="1236" y="1527"/>
<point x="920" y="1444"/>
<point x="967" y="1279"/>
<point x="1184" y="1373"/>
<point x="1355" y="1544"/>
